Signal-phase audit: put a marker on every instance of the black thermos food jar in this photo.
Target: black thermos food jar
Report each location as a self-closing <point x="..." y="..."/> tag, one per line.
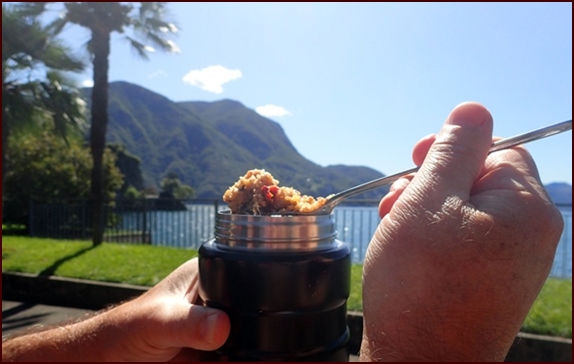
<point x="284" y="282"/>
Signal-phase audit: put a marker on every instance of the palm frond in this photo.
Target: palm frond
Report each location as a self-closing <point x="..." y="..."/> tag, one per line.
<point x="141" y="49"/>
<point x="57" y="25"/>
<point x="59" y="56"/>
<point x="31" y="9"/>
<point x="152" y="25"/>
<point x="162" y="43"/>
<point x="21" y="35"/>
<point x="19" y="103"/>
<point x="63" y="104"/>
<point x="27" y="43"/>
<point x="33" y="89"/>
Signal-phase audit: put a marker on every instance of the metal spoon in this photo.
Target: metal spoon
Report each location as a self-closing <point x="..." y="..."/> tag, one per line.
<point x="334" y="200"/>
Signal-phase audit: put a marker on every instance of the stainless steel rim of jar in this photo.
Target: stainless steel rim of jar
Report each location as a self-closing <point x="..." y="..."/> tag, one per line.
<point x="275" y="232"/>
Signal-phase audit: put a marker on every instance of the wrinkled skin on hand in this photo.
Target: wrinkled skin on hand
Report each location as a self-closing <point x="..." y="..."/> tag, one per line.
<point x="462" y="250"/>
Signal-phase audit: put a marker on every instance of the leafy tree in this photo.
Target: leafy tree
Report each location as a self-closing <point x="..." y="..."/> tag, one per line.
<point x="46" y="169"/>
<point x="130" y="166"/>
<point x="133" y="193"/>
<point x="173" y="187"/>
<point x="147" y="21"/>
<point x="33" y="89"/>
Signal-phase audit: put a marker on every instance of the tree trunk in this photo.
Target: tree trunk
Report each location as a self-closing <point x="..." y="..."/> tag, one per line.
<point x="99" y="124"/>
<point x="5" y="134"/>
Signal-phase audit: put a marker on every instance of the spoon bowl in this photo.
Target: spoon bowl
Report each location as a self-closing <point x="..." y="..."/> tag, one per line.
<point x="334" y="200"/>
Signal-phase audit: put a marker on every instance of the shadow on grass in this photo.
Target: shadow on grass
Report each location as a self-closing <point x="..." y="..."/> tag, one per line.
<point x="51" y="269"/>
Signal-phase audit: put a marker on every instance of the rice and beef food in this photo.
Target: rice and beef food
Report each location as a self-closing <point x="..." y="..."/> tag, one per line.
<point x="258" y="193"/>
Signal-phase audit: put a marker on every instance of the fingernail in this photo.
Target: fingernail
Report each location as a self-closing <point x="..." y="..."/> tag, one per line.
<point x="209" y="326"/>
<point x="468" y="114"/>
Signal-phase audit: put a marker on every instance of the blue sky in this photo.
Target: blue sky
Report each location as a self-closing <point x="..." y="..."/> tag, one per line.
<point x="360" y="83"/>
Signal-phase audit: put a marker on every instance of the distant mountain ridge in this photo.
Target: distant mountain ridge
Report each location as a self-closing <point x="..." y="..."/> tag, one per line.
<point x="209" y="145"/>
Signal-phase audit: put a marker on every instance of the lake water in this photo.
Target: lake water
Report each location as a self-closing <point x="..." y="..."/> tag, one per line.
<point x="355" y="226"/>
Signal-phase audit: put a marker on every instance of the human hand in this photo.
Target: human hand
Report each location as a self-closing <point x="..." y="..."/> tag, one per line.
<point x="463" y="249"/>
<point x="165" y="323"/>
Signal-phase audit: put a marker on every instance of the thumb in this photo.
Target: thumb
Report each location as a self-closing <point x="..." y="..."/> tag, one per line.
<point x="198" y="327"/>
<point x="457" y="156"/>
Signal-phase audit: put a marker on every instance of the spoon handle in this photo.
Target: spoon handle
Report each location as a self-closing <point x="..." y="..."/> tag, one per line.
<point x="531" y="136"/>
<point x="376" y="183"/>
<point x="496" y="146"/>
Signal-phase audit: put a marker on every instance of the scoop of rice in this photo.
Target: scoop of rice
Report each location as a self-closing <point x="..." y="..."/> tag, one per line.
<point x="258" y="193"/>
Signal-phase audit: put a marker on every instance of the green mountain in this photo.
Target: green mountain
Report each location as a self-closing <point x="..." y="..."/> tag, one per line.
<point x="209" y="145"/>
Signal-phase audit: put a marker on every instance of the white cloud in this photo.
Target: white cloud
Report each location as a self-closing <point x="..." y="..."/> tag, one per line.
<point x="87" y="83"/>
<point x="272" y="110"/>
<point x="160" y="73"/>
<point x="211" y="78"/>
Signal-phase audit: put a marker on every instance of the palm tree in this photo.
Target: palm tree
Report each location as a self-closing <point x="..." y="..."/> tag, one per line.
<point x="33" y="89"/>
<point x="147" y="22"/>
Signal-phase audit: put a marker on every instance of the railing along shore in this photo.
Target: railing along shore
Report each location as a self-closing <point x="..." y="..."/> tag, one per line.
<point x="189" y="223"/>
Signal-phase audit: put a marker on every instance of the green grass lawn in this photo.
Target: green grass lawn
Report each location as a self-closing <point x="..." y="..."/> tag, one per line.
<point x="146" y="265"/>
<point x="143" y="265"/>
